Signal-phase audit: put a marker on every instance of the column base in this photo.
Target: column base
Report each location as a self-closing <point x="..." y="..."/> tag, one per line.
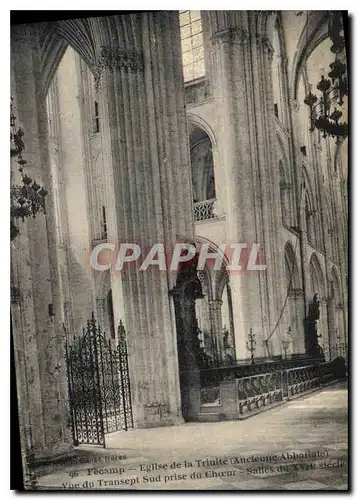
<point x="159" y="422"/>
<point x="63" y="452"/>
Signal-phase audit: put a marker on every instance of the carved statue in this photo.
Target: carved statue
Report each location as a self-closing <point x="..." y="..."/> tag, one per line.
<point x="313" y="308"/>
<point x="313" y="349"/>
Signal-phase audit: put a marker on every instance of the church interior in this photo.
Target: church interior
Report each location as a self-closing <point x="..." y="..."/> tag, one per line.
<point x="201" y="127"/>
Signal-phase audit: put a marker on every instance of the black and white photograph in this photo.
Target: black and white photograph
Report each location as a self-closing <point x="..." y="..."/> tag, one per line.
<point x="179" y="262"/>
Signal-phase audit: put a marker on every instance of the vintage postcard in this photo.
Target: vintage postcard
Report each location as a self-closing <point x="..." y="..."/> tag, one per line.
<point x="179" y="249"/>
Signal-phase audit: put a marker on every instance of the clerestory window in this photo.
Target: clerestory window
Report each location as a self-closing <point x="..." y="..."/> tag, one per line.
<point x="192" y="44"/>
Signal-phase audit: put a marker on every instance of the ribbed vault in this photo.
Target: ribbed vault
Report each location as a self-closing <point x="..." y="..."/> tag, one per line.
<point x="87" y="36"/>
<point x="314" y="32"/>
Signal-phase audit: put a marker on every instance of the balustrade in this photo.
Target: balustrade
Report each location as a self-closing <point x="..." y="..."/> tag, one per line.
<point x="237" y="392"/>
<point x="258" y="391"/>
<point x="204" y="210"/>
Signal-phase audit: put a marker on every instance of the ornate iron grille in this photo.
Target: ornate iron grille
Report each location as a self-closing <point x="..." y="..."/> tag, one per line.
<point x="99" y="385"/>
<point x="204" y="210"/>
<point x="258" y="391"/>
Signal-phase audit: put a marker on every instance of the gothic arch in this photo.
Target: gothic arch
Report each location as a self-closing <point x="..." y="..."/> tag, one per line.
<point x="221" y="280"/>
<point x="281" y="36"/>
<point x="292" y="274"/>
<point x="214" y="248"/>
<point x="313" y="33"/>
<point x="195" y="120"/>
<point x="90" y="38"/>
<point x="205" y="280"/>
<point x="317" y="281"/>
<point x="55" y="37"/>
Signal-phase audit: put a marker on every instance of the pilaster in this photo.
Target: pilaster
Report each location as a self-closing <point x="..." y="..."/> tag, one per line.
<point x="241" y="60"/>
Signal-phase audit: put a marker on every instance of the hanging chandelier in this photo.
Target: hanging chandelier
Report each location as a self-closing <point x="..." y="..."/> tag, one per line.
<point x="325" y="112"/>
<point x="29" y="198"/>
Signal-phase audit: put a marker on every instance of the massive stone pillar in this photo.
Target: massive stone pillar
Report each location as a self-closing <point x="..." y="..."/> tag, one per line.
<point x="148" y="189"/>
<point x="38" y="335"/>
<point x="242" y="84"/>
<point x="136" y="61"/>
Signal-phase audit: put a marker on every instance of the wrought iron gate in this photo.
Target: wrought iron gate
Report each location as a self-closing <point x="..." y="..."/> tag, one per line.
<point x="98" y="383"/>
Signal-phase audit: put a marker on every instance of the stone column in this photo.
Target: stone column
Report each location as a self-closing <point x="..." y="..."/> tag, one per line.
<point x="242" y="85"/>
<point x="148" y="190"/>
<point x="38" y="336"/>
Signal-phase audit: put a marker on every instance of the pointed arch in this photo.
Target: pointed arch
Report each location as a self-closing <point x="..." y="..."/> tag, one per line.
<point x="313" y="33"/>
<point x="279" y="72"/>
<point x="194" y="120"/>
<point x="88" y="37"/>
<point x="55" y="37"/>
<point x="205" y="280"/>
<point x="291" y="268"/>
<point x="317" y="280"/>
<point x="310" y="210"/>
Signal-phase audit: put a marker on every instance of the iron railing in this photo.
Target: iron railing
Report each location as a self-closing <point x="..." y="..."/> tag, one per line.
<point x="332" y="352"/>
<point x="204" y="210"/>
<point x="98" y="384"/>
<point x="258" y="391"/>
<point x="243" y="393"/>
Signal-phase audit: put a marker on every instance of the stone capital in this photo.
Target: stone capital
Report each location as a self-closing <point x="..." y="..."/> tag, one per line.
<point x="231" y="35"/>
<point x="215" y="303"/>
<point x="114" y="59"/>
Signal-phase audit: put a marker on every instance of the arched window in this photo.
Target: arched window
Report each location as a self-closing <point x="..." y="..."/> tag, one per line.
<point x="317" y="280"/>
<point x="192" y="44"/>
<point x="202" y="166"/>
<point x="291" y="269"/>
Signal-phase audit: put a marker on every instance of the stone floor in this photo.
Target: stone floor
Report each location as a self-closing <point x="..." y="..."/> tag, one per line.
<point x="302" y="445"/>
